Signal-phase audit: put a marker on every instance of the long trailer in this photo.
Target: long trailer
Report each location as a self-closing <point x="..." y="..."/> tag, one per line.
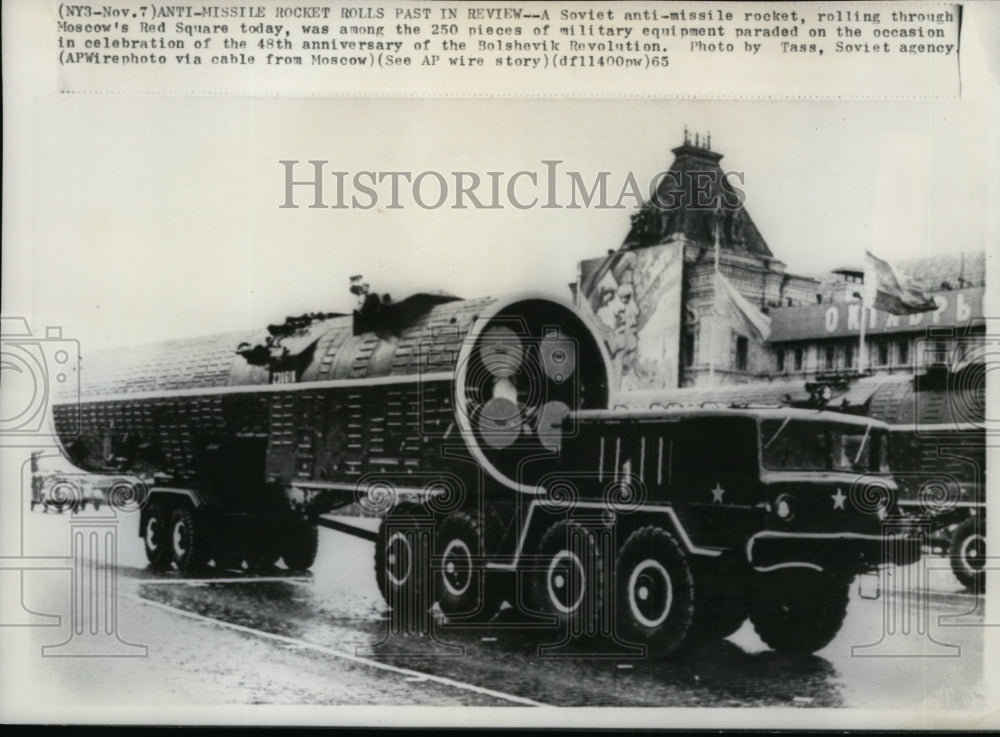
<point x="250" y="443"/>
<point x="480" y="430"/>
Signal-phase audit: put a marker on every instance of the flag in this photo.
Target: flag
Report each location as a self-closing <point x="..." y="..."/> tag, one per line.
<point x="889" y="291"/>
<point x="752" y="318"/>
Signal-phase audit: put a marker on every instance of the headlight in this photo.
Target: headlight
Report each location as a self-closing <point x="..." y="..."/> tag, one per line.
<point x="783" y="507"/>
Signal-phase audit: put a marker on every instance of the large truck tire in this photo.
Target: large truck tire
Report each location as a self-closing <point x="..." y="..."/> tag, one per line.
<point x="156" y="535"/>
<point x="654" y="592"/>
<point x="462" y="589"/>
<point x="300" y="546"/>
<point x="400" y="547"/>
<point x="799" y="611"/>
<point x="189" y="538"/>
<point x="570" y="579"/>
<point x="968" y="554"/>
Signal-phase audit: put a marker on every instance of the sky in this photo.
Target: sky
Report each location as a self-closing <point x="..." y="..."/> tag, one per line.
<point x="159" y="217"/>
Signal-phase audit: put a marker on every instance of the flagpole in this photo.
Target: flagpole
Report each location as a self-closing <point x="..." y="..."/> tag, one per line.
<point x="862" y="354"/>
<point x="867" y="295"/>
<point x="715" y="304"/>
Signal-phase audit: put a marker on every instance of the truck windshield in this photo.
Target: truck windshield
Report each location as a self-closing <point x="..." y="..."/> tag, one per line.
<point x="796" y="445"/>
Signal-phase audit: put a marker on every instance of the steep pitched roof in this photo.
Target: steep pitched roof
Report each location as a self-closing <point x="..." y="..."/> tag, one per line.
<point x="684" y="206"/>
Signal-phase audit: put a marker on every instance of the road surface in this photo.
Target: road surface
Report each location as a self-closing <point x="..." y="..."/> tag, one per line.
<point x="324" y="639"/>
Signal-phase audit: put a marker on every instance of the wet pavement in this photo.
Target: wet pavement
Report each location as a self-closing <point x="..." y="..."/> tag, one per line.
<point x="325" y="638"/>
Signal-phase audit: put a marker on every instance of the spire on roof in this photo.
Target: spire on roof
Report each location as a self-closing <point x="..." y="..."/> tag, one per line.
<point x="685" y="204"/>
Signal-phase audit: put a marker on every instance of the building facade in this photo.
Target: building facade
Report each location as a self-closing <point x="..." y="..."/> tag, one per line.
<point x="757" y="321"/>
<point x="826" y="337"/>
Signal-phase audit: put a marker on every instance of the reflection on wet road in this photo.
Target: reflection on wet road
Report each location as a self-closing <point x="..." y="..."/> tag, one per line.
<point x="719" y="673"/>
<point x="338" y="608"/>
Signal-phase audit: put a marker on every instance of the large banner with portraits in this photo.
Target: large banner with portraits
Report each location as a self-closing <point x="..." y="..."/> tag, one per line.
<point x="635" y="297"/>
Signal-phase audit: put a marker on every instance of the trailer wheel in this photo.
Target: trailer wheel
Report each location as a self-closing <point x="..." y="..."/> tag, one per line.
<point x="799" y="611"/>
<point x="571" y="577"/>
<point x="228" y="561"/>
<point x="460" y="583"/>
<point x="300" y="545"/>
<point x="189" y="539"/>
<point x="968" y="554"/>
<point x="400" y="550"/>
<point x="262" y="558"/>
<point x="156" y="535"/>
<point x="227" y="550"/>
<point x="654" y="591"/>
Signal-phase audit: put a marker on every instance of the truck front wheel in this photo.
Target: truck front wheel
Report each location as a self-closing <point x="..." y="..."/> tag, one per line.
<point x="654" y="591"/>
<point x="798" y="610"/>
<point x="461" y="586"/>
<point x="968" y="554"/>
<point x="402" y="547"/>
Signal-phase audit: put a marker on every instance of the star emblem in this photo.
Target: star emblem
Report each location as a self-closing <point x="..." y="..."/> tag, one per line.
<point x="838" y="499"/>
<point x="717" y="493"/>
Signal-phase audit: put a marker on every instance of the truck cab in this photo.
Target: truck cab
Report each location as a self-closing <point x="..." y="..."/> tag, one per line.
<point x="777" y="486"/>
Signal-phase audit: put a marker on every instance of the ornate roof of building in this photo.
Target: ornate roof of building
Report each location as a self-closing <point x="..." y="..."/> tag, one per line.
<point x="684" y="207"/>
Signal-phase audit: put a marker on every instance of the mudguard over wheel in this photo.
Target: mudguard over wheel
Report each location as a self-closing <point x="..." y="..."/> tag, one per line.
<point x="968" y="554"/>
<point x="401" y="548"/>
<point x="654" y="590"/>
<point x="156" y="535"/>
<point x="461" y="587"/>
<point x="569" y="582"/>
<point x="300" y="544"/>
<point x="798" y="610"/>
<point x="189" y="539"/>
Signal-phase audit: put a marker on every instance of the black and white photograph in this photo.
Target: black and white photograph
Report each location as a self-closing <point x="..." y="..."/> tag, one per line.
<point x="332" y="407"/>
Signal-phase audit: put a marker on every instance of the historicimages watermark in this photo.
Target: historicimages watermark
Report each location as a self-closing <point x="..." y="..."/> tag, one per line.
<point x="315" y="184"/>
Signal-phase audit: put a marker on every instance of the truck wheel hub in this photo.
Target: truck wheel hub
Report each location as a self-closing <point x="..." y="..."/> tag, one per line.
<point x="457" y="567"/>
<point x="179" y="534"/>
<point x="398" y="559"/>
<point x="566" y="581"/>
<point x="651" y="593"/>
<point x="971" y="548"/>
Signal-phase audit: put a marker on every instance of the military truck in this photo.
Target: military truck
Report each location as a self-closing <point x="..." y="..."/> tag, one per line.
<point x="660" y="527"/>
<point x="484" y="433"/>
